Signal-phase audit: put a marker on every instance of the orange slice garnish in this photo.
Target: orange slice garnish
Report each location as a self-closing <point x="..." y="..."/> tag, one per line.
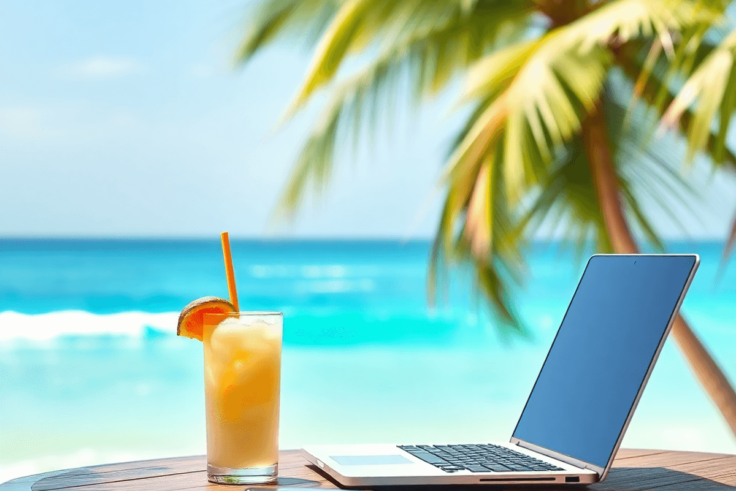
<point x="191" y="319"/>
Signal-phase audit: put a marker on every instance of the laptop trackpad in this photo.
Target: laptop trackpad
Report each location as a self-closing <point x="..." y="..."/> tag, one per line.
<point x="370" y="459"/>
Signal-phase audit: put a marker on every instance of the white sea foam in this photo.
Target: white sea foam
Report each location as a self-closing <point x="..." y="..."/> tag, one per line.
<point x="335" y="286"/>
<point x="46" y="327"/>
<point x="327" y="271"/>
<point x="318" y="271"/>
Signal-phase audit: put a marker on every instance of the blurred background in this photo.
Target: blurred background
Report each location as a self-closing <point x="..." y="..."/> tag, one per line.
<point x="333" y="140"/>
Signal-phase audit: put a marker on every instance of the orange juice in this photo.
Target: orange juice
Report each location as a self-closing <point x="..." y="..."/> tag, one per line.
<point x="242" y="365"/>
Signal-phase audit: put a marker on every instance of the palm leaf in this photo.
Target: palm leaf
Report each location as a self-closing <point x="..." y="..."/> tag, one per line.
<point x="358" y="98"/>
<point x="497" y="261"/>
<point x="648" y="168"/>
<point x="543" y="92"/>
<point x="334" y="44"/>
<point x="360" y="23"/>
<point x="713" y="86"/>
<point x="271" y="19"/>
<point x="553" y="81"/>
<point x="624" y="20"/>
<point x="660" y="90"/>
<point x="567" y="199"/>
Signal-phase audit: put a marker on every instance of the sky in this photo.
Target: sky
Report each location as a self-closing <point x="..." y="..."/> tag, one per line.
<point x="128" y="118"/>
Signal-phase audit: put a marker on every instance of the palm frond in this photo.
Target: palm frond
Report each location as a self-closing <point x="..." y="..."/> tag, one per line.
<point x="548" y="83"/>
<point x="357" y="99"/>
<point x="713" y="86"/>
<point x="387" y="23"/>
<point x="567" y="199"/>
<point x="624" y="20"/>
<point x="271" y="19"/>
<point x="544" y="91"/>
<point x="495" y="71"/>
<point x="661" y="88"/>
<point x="648" y="167"/>
<point x="548" y="95"/>
<point x="479" y="219"/>
<point x="333" y="46"/>
<point x="488" y="238"/>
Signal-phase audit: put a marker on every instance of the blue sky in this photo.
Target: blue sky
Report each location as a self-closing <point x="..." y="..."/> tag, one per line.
<point x="126" y="118"/>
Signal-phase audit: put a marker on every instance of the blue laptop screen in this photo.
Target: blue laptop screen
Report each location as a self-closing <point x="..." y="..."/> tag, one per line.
<point x="601" y="354"/>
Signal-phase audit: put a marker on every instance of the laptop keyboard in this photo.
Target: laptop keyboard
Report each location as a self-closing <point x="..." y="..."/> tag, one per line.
<point x="477" y="458"/>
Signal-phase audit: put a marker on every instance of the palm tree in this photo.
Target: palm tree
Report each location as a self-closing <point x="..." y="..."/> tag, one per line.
<point x="565" y="97"/>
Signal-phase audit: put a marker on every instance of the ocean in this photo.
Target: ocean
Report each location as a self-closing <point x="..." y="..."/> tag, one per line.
<point x="91" y="370"/>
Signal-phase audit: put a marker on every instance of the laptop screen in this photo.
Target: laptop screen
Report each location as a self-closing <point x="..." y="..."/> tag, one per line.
<point x="601" y="354"/>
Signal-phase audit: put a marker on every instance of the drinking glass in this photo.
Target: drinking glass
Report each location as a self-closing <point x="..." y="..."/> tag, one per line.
<point x="242" y="378"/>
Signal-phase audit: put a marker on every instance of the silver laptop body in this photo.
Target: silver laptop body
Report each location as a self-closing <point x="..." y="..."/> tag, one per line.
<point x="399" y="465"/>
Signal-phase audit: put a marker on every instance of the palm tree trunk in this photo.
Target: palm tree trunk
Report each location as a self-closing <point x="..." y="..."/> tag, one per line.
<point x="702" y="364"/>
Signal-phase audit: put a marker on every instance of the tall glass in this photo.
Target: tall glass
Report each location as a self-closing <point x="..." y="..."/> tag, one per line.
<point x="242" y="378"/>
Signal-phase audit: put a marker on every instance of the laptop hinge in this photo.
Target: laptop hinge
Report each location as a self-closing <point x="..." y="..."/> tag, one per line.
<point x="556" y="455"/>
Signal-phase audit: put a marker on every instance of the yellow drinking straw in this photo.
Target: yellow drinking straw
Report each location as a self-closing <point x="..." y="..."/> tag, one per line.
<point x="229" y="272"/>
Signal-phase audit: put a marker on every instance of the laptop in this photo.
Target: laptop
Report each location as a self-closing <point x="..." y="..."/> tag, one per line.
<point x="580" y="405"/>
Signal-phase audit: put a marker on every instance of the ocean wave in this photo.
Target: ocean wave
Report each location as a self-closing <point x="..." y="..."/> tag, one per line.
<point x="314" y="271"/>
<point x="336" y="286"/>
<point x="264" y="271"/>
<point x="53" y="325"/>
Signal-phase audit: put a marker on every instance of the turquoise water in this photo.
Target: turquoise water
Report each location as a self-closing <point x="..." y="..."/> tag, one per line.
<point x="91" y="371"/>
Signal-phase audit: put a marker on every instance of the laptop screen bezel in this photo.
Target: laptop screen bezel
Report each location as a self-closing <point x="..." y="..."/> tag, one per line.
<point x="603" y="471"/>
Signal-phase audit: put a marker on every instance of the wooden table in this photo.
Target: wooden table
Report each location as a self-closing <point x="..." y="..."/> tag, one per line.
<point x="633" y="470"/>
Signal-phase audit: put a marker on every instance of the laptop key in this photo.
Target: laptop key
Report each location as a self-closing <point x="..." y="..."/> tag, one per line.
<point x="476" y="468"/>
<point x="429" y="458"/>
